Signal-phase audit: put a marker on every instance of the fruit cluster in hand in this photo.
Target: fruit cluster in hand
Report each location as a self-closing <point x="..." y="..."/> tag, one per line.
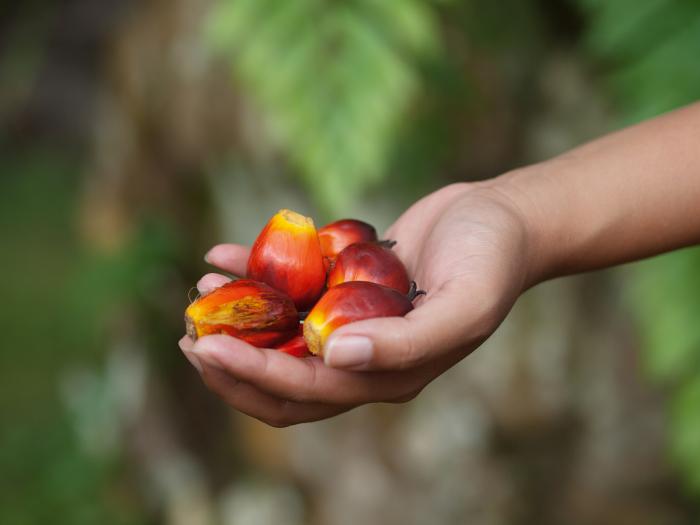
<point x="339" y="274"/>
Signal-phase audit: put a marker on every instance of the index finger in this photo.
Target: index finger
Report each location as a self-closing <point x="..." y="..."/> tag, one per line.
<point x="302" y="380"/>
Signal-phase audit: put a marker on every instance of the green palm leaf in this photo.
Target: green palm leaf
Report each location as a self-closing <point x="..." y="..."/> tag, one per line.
<point x="332" y="79"/>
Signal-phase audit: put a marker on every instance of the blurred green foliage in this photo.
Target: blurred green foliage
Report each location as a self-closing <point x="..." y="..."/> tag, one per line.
<point x="651" y="50"/>
<point x="665" y="294"/>
<point x="46" y="476"/>
<point x="652" y="53"/>
<point x="353" y="92"/>
<point x="332" y="78"/>
<point x="368" y="94"/>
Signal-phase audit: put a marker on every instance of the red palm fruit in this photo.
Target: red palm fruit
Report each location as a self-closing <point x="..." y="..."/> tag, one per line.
<point x="338" y="235"/>
<point x="296" y="346"/>
<point x="248" y="310"/>
<point x="372" y="262"/>
<point x="287" y="256"/>
<point x="353" y="301"/>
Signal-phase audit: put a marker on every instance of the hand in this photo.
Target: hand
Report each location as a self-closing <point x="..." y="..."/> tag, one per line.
<point x="467" y="245"/>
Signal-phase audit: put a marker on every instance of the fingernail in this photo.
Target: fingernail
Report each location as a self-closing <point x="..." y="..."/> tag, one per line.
<point x="206" y="258"/>
<point x="194" y="360"/>
<point x="349" y="351"/>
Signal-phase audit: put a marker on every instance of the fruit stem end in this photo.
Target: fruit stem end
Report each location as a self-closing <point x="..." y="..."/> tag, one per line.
<point x="414" y="292"/>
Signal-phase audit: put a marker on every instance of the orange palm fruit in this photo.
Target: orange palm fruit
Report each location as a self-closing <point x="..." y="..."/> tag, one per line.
<point x="338" y="235"/>
<point x="295" y="346"/>
<point x="287" y="256"/>
<point x="372" y="262"/>
<point x="353" y="301"/>
<point x="249" y="310"/>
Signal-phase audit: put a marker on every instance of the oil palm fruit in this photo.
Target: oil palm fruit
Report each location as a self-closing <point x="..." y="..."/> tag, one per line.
<point x="287" y="256"/>
<point x="249" y="310"/>
<point x="372" y="262"/>
<point x="353" y="301"/>
<point x="338" y="235"/>
<point x="295" y="346"/>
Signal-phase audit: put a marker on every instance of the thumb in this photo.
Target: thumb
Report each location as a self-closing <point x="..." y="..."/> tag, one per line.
<point x="441" y="324"/>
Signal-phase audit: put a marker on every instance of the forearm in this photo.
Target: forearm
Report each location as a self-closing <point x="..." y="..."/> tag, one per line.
<point x="626" y="196"/>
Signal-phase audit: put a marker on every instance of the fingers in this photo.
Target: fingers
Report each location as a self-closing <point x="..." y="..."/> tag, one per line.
<point x="210" y="282"/>
<point x="447" y="322"/>
<point x="232" y="258"/>
<point x="268" y="409"/>
<point x="185" y="345"/>
<point x="252" y="401"/>
<point x="303" y="380"/>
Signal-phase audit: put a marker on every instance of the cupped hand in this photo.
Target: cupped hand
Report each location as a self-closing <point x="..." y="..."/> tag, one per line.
<point x="467" y="245"/>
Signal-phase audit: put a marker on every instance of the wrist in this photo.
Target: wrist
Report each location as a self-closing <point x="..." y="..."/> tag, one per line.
<point x="546" y="227"/>
<point x="623" y="197"/>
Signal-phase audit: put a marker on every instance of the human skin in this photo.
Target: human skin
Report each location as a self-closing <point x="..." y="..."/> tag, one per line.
<point x="474" y="247"/>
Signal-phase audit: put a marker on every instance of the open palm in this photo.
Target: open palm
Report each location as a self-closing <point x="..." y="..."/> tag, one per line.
<point x="466" y="245"/>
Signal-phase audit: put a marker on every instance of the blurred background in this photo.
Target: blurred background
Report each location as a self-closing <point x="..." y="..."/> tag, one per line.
<point x="134" y="135"/>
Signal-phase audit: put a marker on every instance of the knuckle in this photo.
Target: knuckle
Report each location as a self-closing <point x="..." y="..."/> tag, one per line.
<point x="281" y="418"/>
<point x="411" y="352"/>
<point x="207" y="379"/>
<point x="276" y="422"/>
<point x="264" y="365"/>
<point x="298" y="397"/>
<point x="304" y="392"/>
<point x="405" y="398"/>
<point x="278" y="418"/>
